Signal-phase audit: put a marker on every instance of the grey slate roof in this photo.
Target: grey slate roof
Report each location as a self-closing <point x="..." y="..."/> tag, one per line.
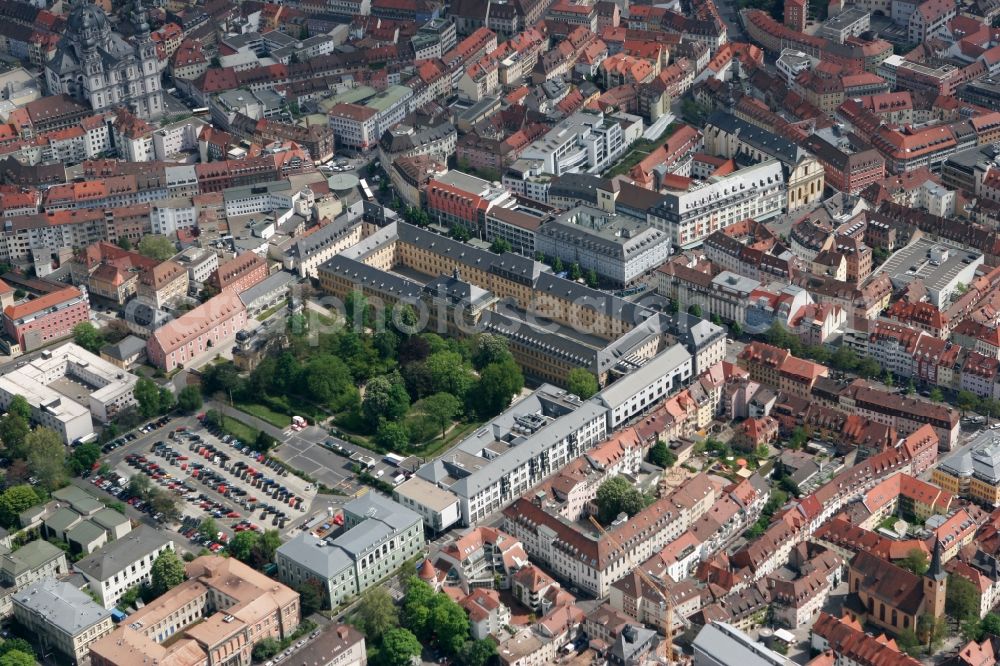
<point x="124" y="349"/>
<point x="316" y="555"/>
<point x="767" y="142"/>
<point x="377" y="518"/>
<point x="317" y="240"/>
<point x="122" y="553"/>
<point x="62" y="605"/>
<point x="661" y="364"/>
<point x="28" y="557"/>
<point x="271" y="283"/>
<point x="85" y="533"/>
<point x="479" y="472"/>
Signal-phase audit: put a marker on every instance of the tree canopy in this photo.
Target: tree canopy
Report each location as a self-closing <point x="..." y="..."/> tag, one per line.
<point x="189" y="399"/>
<point x="167" y="572"/>
<point x="157" y="247"/>
<point x="616" y="496"/>
<point x="661" y="455"/>
<point x="399" y="646"/>
<point x="582" y="383"/>
<point x="46" y="458"/>
<point x="961" y="599"/>
<point x="433" y="617"/>
<point x="377" y="613"/>
<point x="88" y="336"/>
<point x="916" y="561"/>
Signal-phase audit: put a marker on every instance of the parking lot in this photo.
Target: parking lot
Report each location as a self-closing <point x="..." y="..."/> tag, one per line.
<point x="210" y="477"/>
<point x="305" y="451"/>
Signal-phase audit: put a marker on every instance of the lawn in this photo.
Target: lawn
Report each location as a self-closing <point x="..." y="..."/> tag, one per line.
<point x="440" y="444"/>
<point x="240" y="431"/>
<point x="265" y="413"/>
<point x="640" y="149"/>
<point x="267" y="314"/>
<point x="349" y="430"/>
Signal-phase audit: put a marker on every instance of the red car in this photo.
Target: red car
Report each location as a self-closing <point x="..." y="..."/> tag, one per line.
<point x="232" y="514"/>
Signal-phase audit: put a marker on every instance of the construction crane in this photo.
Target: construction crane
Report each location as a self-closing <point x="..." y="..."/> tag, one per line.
<point x="668" y="606"/>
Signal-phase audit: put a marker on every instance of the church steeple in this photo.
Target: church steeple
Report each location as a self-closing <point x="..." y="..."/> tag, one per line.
<point x="936" y="570"/>
<point x="935" y="583"/>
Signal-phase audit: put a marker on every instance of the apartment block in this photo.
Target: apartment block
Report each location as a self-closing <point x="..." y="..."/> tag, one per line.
<point x="123" y="564"/>
<point x="214" y="618"/>
<point x="45" y="319"/>
<point x="379" y="535"/>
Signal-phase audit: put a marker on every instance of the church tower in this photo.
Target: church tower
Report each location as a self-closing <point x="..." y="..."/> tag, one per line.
<point x="149" y="104"/>
<point x="935" y="583"/>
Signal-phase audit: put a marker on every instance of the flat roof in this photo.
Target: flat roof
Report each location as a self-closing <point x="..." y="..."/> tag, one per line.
<point x="426" y="494"/>
<point x="34" y="380"/>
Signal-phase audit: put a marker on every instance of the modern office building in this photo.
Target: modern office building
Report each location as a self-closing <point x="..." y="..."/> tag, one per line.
<point x="584" y="142"/>
<point x="721" y="644"/>
<point x="68" y="385"/>
<point x="942" y="268"/>
<point x="518" y="449"/>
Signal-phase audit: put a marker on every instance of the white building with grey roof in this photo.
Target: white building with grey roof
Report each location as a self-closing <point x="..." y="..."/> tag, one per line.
<point x="61" y="618"/>
<point x="617" y="248"/>
<point x="517" y="450"/>
<point x="378" y="536"/>
<point x="308" y="252"/>
<point x="757" y="191"/>
<point x="649" y="384"/>
<point x="124" y="563"/>
<point x="29" y="564"/>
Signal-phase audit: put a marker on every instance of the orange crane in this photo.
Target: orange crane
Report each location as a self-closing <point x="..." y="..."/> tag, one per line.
<point x="668" y="606"/>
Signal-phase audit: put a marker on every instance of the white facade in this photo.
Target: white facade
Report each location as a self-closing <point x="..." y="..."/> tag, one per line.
<point x="108" y="390"/>
<point x="438" y="507"/>
<point x="584" y="142"/>
<point x="689" y="217"/>
<point x="561" y="428"/>
<point x="650" y="384"/>
<point x="122" y="564"/>
<point x="177" y="138"/>
<point x="95" y="65"/>
<point x="199" y="262"/>
<point x="167" y="219"/>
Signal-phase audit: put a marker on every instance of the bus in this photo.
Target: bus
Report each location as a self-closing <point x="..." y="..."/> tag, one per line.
<point x="86" y="439"/>
<point x="394" y="459"/>
<point x="365" y="190"/>
<point x="201" y="111"/>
